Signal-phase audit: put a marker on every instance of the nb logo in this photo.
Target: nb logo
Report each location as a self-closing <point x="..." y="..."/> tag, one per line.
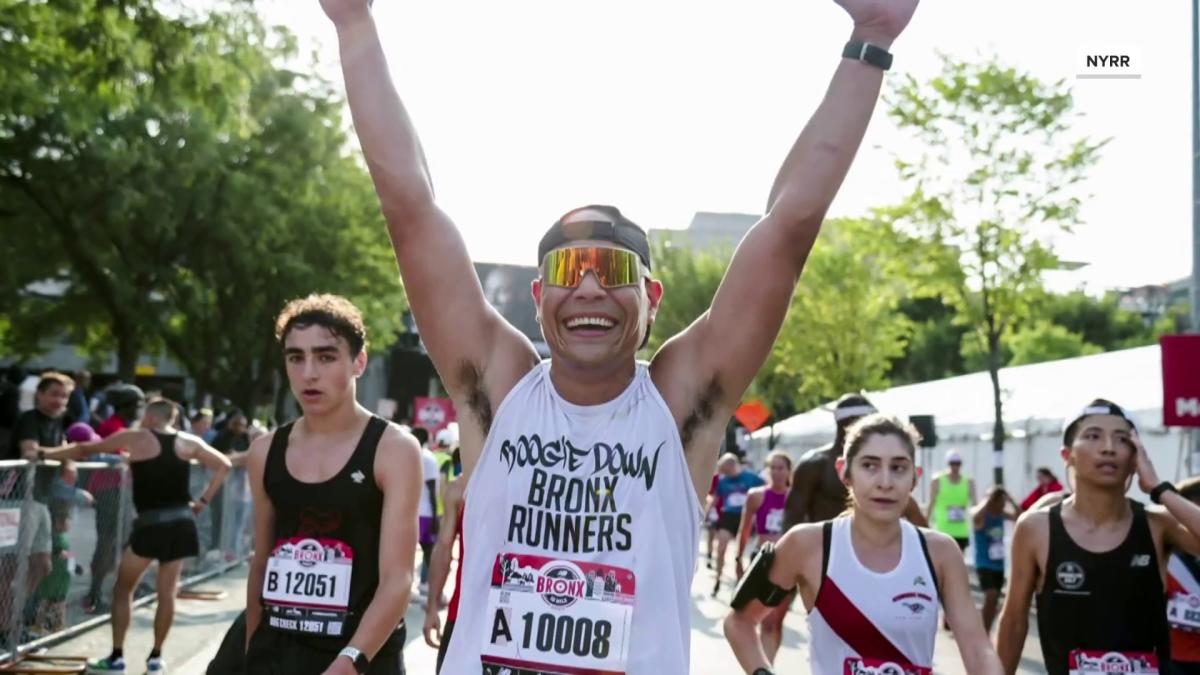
<point x="358" y="476"/>
<point x="1187" y="406"/>
<point x="1140" y="561"/>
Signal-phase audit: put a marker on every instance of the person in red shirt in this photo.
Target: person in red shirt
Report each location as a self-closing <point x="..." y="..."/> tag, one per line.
<point x="1047" y="483"/>
<point x="128" y="402"/>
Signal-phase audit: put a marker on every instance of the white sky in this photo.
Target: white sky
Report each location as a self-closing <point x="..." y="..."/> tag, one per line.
<point x="667" y="107"/>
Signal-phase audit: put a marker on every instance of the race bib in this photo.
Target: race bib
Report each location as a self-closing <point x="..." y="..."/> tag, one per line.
<point x="735" y="501"/>
<point x="551" y="615"/>
<point x="1084" y="662"/>
<point x="956" y="514"/>
<point x="1183" y="612"/>
<point x="307" y="586"/>
<point x="996" y="550"/>
<point x="775" y="521"/>
<point x="857" y="666"/>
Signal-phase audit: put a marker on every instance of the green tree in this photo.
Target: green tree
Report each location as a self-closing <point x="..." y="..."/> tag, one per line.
<point x="178" y="186"/>
<point x="1044" y="341"/>
<point x="844" y="328"/>
<point x="995" y="175"/>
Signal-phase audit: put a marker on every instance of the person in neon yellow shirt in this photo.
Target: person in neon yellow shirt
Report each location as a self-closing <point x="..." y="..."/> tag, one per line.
<point x="950" y="498"/>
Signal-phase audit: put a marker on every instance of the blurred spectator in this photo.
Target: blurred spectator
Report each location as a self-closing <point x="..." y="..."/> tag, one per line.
<point x="79" y="408"/>
<point x="39" y="434"/>
<point x="233" y="440"/>
<point x="127" y="402"/>
<point x="1047" y="483"/>
<point x="202" y="425"/>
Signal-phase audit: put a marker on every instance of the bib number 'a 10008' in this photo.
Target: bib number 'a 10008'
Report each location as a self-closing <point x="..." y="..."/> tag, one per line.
<point x="1183" y="612"/>
<point x="857" y="666"/>
<point x="306" y="589"/>
<point x="546" y="615"/>
<point x="1084" y="662"/>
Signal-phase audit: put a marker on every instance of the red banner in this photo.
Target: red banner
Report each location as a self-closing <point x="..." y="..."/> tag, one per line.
<point x="432" y="413"/>
<point x="1181" y="380"/>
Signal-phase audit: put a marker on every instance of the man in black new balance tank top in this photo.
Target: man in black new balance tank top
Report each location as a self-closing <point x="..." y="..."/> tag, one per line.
<point x="335" y="512"/>
<point x="159" y="458"/>
<point x="1097" y="560"/>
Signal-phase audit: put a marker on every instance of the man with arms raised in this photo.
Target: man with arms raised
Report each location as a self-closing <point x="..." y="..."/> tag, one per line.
<point x="592" y="464"/>
<point x="1097" y="560"/>
<point x="335" y="512"/>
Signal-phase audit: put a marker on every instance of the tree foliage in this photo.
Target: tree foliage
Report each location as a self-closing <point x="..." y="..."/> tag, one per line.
<point x="175" y="184"/>
<point x="994" y="178"/>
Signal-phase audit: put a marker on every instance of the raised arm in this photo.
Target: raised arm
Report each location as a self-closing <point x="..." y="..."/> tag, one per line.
<point x="754" y="296"/>
<point x="472" y="347"/>
<point x="133" y="440"/>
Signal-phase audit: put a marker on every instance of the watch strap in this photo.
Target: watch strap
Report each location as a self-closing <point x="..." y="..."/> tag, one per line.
<point x="361" y="663"/>
<point x="1158" y="491"/>
<point x="868" y="53"/>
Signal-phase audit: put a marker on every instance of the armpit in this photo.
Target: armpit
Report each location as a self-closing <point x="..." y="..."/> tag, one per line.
<point x="471" y="378"/>
<point x="702" y="412"/>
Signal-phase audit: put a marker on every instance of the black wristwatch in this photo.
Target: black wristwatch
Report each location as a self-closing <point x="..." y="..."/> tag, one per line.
<point x="360" y="659"/>
<point x="868" y="53"/>
<point x="1157" y="493"/>
<point x="761" y="671"/>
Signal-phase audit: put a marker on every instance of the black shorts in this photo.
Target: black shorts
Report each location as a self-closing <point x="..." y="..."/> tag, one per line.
<point x="1183" y="668"/>
<point x="963" y="542"/>
<point x="231" y="655"/>
<point x="274" y="652"/>
<point x="990" y="580"/>
<point x="446" y="633"/>
<point x="730" y="522"/>
<point x="166" y="542"/>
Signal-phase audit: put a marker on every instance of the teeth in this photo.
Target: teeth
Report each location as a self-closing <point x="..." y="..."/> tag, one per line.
<point x="590" y="321"/>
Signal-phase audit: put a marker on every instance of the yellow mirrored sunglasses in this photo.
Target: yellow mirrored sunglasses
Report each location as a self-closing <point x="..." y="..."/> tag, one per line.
<point x="613" y="267"/>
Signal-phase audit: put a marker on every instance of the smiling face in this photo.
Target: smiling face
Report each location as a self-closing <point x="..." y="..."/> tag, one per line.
<point x="320" y="370"/>
<point x="590" y="325"/>
<point x="1102" y="452"/>
<point x="51" y="400"/>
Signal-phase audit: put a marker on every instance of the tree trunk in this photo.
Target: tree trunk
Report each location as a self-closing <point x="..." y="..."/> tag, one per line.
<point x="127" y="350"/>
<point x="998" y="427"/>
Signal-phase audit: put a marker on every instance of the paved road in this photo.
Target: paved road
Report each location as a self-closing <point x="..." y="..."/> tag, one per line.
<point x="201" y="624"/>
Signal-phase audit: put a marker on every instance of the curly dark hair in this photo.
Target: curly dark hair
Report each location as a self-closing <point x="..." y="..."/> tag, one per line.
<point x="334" y="312"/>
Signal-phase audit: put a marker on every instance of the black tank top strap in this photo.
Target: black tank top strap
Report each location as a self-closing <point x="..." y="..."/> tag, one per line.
<point x="826" y="546"/>
<point x="363" y="457"/>
<point x="1140" y="534"/>
<point x="929" y="561"/>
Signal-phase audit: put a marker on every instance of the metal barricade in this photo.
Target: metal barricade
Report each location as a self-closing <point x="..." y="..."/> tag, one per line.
<point x="63" y="529"/>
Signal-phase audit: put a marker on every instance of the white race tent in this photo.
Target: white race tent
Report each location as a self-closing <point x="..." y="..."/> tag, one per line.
<point x="1036" y="400"/>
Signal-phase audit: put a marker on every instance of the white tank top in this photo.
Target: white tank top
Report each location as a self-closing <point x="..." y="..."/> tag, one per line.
<point x="583" y="538"/>
<point x="863" y="621"/>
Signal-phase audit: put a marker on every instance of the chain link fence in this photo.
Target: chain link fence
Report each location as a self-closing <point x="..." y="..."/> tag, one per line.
<point x="63" y="528"/>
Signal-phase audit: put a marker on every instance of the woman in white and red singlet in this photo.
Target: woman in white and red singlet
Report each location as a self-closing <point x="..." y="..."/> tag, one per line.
<point x="763" y="514"/>
<point x="870" y="580"/>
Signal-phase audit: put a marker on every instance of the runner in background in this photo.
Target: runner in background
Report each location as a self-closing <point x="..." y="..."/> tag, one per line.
<point x="871" y="581"/>
<point x="449" y="534"/>
<point x="764" y="515"/>
<point x="951" y="495"/>
<point x="712" y="517"/>
<point x="987" y="521"/>
<point x="733" y="489"/>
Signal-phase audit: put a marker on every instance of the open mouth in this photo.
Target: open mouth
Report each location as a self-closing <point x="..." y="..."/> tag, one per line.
<point x="311" y="393"/>
<point x="589" y="325"/>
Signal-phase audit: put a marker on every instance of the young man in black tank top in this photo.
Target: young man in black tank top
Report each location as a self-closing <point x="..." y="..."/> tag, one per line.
<point x="335" y="512"/>
<point x="1097" y="560"/>
<point x="159" y="457"/>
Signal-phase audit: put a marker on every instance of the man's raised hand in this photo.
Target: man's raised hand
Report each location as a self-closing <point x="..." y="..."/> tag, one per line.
<point x="343" y="12"/>
<point x="879" y="21"/>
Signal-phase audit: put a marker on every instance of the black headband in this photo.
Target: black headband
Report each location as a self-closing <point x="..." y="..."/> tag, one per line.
<point x="616" y="229"/>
